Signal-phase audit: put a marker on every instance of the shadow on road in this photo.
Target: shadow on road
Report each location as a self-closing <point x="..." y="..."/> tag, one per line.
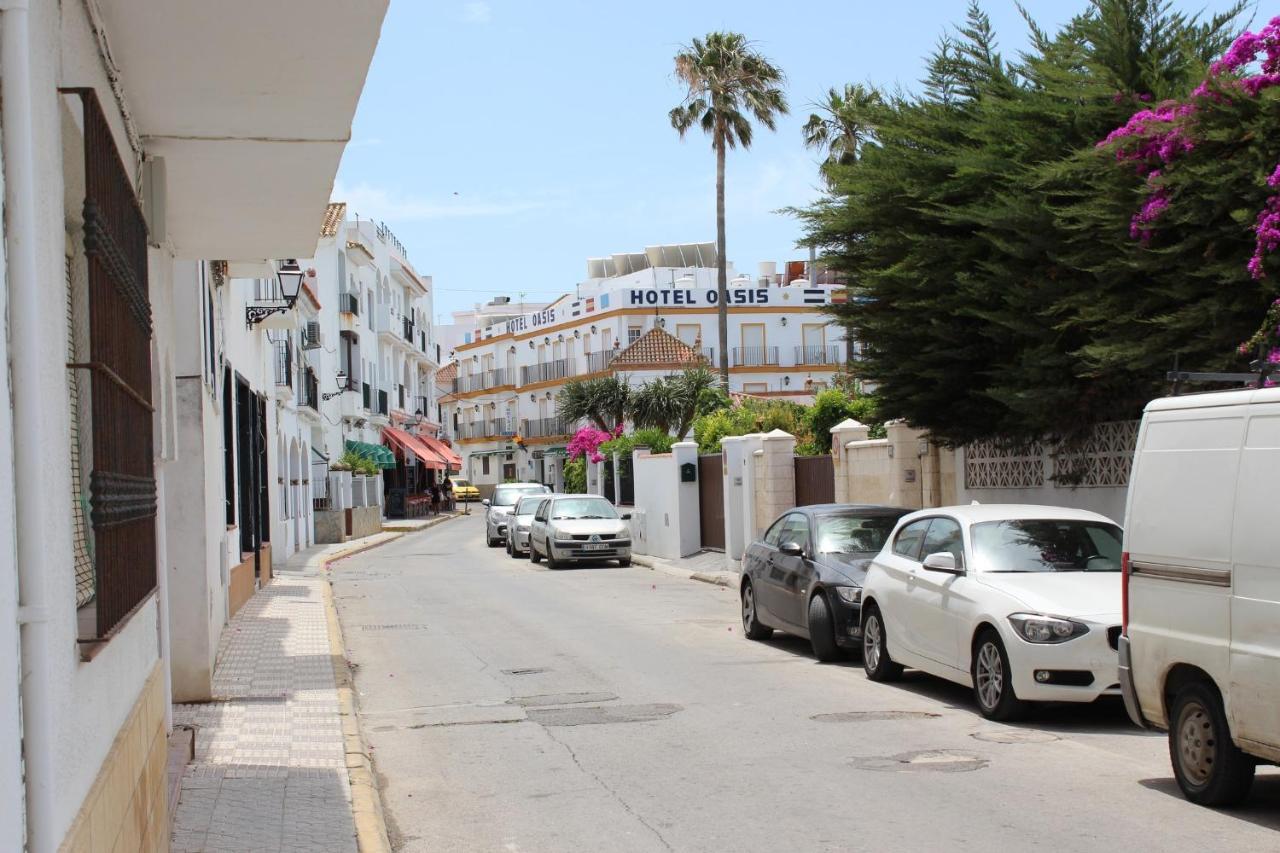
<point x="1259" y="809"/>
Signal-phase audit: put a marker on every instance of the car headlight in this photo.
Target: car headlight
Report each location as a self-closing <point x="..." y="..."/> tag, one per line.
<point x="523" y="528"/>
<point x="1036" y="628"/>
<point x="849" y="594"/>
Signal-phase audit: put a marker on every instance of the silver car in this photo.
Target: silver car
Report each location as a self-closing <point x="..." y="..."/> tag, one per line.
<point x="573" y="528"/>
<point x="499" y="507"/>
<point x="518" y="523"/>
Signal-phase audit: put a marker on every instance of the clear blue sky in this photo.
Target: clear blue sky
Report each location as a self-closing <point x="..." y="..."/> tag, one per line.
<point x="506" y="141"/>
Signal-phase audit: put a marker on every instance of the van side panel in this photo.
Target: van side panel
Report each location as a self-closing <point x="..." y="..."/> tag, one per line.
<point x="1181" y="508"/>
<point x="1254" y="703"/>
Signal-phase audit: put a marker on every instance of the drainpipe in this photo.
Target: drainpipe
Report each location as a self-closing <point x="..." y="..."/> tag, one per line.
<point x="26" y="330"/>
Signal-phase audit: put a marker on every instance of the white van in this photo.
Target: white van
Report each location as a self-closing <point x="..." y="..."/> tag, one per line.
<point x="1200" y="651"/>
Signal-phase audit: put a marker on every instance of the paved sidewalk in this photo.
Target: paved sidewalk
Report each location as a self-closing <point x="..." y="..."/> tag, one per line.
<point x="706" y="566"/>
<point x="270" y="766"/>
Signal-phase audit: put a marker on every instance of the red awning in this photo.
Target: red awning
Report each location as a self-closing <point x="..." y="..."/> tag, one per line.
<point x="407" y="443"/>
<point x="444" y="451"/>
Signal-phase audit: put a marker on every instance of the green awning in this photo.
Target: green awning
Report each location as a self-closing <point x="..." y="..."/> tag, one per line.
<point x="381" y="456"/>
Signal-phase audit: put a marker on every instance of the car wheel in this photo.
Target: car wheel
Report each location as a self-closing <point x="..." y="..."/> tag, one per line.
<point x="875" y="650"/>
<point x="492" y="543"/>
<point x="751" y="624"/>
<point x="993" y="680"/>
<point x="822" y="634"/>
<point x="533" y="553"/>
<point x="511" y="552"/>
<point x="624" y="563"/>
<point x="552" y="563"/>
<point x="1210" y="769"/>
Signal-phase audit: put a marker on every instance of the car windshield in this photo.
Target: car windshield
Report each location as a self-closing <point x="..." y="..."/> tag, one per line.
<point x="462" y="483"/>
<point x="583" y="508"/>
<point x="853" y="533"/>
<point x="1046" y="545"/>
<point x="528" y="505"/>
<point x="507" y="495"/>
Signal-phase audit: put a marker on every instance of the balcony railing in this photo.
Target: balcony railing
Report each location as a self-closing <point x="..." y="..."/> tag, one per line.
<point x="401" y="389"/>
<point x="501" y="427"/>
<point x="598" y="361"/>
<point x="408" y="329"/>
<point x="499" y="377"/>
<point x="545" y="428"/>
<point x="310" y="390"/>
<point x="483" y="381"/>
<point x="819" y="355"/>
<point x="284" y="363"/>
<point x="349" y="303"/>
<point x="367" y="393"/>
<point x="382" y="403"/>
<point x="754" y="356"/>
<point x="547" y="371"/>
<point x="472" y="430"/>
<point x="471" y="382"/>
<point x="423" y="407"/>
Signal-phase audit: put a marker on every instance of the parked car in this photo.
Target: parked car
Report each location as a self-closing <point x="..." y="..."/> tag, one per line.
<point x="519" y="522"/>
<point x="463" y="491"/>
<point x="804" y="575"/>
<point x="1200" y="650"/>
<point x="574" y="528"/>
<point x="499" y="507"/>
<point x="1021" y="603"/>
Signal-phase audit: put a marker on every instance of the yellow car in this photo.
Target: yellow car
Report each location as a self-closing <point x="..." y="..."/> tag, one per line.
<point x="463" y="491"/>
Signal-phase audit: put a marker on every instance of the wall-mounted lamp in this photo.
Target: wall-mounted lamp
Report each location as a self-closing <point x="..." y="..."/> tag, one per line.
<point x="593" y="330"/>
<point x="533" y="398"/>
<point x="784" y="321"/>
<point x="512" y="350"/>
<point x="577" y="333"/>
<point x="662" y="322"/>
<point x="532" y="345"/>
<point x="547" y="340"/>
<point x="342" y="386"/>
<point x="786" y="380"/>
<point x="290" y="277"/>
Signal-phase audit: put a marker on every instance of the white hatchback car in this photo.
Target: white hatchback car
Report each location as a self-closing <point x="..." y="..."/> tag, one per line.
<point x="1021" y="603"/>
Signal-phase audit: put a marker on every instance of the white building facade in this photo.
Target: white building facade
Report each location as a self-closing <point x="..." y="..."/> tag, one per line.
<point x="503" y="387"/>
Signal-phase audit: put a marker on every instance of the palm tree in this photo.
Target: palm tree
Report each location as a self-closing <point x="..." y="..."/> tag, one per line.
<point x="692" y="387"/>
<point x="728" y="83"/>
<point x="603" y="401"/>
<point x="843" y="126"/>
<point x="656" y="404"/>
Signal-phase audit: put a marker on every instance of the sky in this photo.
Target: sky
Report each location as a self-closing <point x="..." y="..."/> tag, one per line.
<point x="507" y="141"/>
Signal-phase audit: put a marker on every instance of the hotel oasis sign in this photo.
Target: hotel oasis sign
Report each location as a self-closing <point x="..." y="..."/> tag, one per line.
<point x="697" y="298"/>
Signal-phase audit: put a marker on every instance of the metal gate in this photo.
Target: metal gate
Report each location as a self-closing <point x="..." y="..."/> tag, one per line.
<point x="815" y="480"/>
<point x="711" y="499"/>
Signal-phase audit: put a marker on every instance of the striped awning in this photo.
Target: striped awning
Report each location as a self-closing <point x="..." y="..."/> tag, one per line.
<point x="381" y="456"/>
<point x="411" y="445"/>
<point x="444" y="451"/>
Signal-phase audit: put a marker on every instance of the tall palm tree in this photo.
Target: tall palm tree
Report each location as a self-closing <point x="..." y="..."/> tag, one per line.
<point x="603" y="401"/>
<point x="728" y="84"/>
<point x="843" y="125"/>
<point x="656" y="404"/>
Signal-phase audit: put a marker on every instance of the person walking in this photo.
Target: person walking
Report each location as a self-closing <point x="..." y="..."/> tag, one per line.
<point x="448" y="494"/>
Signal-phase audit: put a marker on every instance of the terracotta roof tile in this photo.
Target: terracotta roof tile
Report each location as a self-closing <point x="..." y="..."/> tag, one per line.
<point x="333" y="216"/>
<point x="657" y="346"/>
<point x="448" y="373"/>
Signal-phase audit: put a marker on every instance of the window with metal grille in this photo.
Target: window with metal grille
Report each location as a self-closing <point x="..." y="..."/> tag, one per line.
<point x="117" y="365"/>
<point x="77" y="328"/>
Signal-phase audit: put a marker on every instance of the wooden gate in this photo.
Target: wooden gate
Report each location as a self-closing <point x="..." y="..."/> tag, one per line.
<point x="711" y="499"/>
<point x="815" y="480"/>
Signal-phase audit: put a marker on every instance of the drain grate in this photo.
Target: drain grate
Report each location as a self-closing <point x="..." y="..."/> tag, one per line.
<point x="529" y="670"/>
<point x="400" y="627"/>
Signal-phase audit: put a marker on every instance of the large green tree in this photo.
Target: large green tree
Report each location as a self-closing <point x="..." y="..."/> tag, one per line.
<point x="603" y="401"/>
<point x="728" y="83"/>
<point x="986" y="238"/>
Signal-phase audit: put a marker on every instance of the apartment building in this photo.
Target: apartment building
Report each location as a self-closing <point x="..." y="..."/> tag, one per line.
<point x="638" y="315"/>
<point x="119" y="184"/>
<point x="468" y="324"/>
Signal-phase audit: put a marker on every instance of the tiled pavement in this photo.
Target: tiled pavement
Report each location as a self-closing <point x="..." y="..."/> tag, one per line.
<point x="270" y="769"/>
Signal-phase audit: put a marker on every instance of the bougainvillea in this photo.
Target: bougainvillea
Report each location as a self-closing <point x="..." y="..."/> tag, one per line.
<point x="1153" y="140"/>
<point x="586" y="442"/>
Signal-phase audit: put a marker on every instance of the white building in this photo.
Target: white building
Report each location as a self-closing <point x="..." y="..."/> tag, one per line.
<point x="469" y="324"/>
<point x="639" y="315"/>
<point x="134" y="137"/>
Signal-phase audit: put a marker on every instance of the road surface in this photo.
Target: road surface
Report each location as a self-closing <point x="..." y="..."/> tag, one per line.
<point x="512" y="708"/>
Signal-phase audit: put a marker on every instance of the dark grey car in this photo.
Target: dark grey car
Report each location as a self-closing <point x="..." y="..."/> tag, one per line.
<point x="804" y="576"/>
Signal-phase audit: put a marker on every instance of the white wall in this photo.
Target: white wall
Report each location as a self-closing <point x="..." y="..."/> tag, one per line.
<point x="666" y="517"/>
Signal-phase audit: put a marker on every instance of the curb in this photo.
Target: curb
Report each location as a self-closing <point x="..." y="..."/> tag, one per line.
<point x="657" y="565"/>
<point x="366" y="802"/>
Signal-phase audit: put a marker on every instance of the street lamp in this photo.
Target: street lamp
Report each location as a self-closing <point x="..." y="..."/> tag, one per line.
<point x="342" y="386"/>
<point x="290" y="277"/>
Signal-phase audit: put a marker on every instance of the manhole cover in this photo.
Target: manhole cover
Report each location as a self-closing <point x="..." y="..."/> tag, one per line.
<point x="546" y="699"/>
<point x="1015" y="736"/>
<point x="601" y="715"/>
<point x="401" y="627"/>
<point x="529" y="670"/>
<point x="930" y="760"/>
<point x="873" y="716"/>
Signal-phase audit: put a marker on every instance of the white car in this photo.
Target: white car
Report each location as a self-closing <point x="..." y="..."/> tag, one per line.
<point x="498" y="508"/>
<point x="1021" y="603"/>
<point x="519" y="522"/>
<point x="574" y="528"/>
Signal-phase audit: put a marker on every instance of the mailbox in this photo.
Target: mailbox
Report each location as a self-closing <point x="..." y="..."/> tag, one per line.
<point x="688" y="472"/>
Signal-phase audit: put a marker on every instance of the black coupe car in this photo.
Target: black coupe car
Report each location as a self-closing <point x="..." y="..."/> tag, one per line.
<point x="804" y="576"/>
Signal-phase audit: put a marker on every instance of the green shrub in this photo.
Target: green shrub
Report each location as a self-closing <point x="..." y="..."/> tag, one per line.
<point x="575" y="475"/>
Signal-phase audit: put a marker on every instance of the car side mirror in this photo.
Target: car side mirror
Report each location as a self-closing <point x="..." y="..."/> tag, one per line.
<point x="484" y="502"/>
<point x="943" y="561"/>
<point x="791" y="549"/>
<point x="626" y="516"/>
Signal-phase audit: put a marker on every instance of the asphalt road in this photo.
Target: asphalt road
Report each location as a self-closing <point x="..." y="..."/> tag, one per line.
<point x="512" y="708"/>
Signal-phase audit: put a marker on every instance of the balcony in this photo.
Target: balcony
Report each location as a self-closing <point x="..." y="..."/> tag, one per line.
<point x="408" y="329"/>
<point x="501" y="428"/>
<point x="401" y="399"/>
<point x="423" y="407"/>
<point x="310" y="398"/>
<point x="349" y="303"/>
<point x="284" y="366"/>
<point x="819" y="355"/>
<point x="547" y="371"/>
<point x="483" y="381"/>
<point x="598" y="361"/>
<point x="754" y="357"/>
<point x="367" y="394"/>
<point x="382" y="404"/>
<point x="546" y="428"/>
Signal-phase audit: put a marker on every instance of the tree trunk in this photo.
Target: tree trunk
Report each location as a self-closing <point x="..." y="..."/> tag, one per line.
<point x="722" y="265"/>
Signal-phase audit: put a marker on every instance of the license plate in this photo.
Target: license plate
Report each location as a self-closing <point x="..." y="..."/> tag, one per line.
<point x="596" y="547"/>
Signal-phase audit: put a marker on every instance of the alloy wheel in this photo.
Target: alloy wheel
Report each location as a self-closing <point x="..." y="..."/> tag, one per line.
<point x="871" y="642"/>
<point x="1196" y="742"/>
<point x="990" y="675"/>
<point x="748" y="607"/>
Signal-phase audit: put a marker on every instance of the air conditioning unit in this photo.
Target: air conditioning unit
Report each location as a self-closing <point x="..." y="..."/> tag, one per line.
<point x="311" y="335"/>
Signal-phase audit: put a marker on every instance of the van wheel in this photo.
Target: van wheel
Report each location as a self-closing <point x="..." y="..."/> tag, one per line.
<point x="1210" y="769"/>
<point x="875" y="650"/>
<point x="993" y="680"/>
<point x="822" y="630"/>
